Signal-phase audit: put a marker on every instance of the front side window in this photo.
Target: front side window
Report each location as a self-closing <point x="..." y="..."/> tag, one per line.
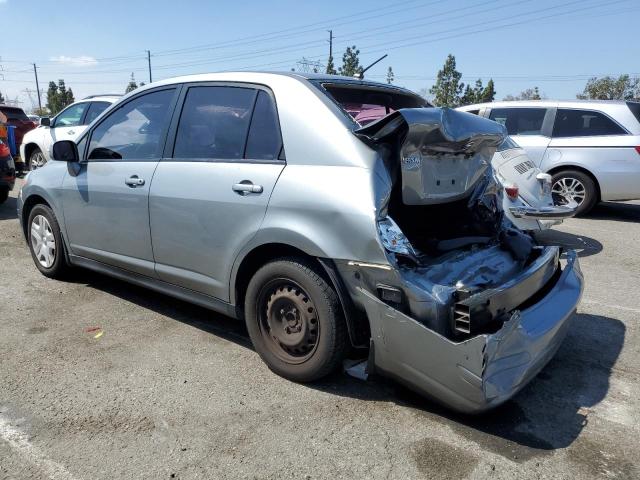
<point x="95" y="109"/>
<point x="214" y="123"/>
<point x="520" y="121"/>
<point x="584" y="123"/>
<point x="72" y="116"/>
<point x="133" y="131"/>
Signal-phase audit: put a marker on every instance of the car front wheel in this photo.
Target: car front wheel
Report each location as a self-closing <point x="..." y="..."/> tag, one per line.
<point x="574" y="186"/>
<point x="45" y="242"/>
<point x="295" y="320"/>
<point x="36" y="159"/>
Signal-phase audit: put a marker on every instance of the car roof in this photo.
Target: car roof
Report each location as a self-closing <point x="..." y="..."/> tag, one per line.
<point x="262" y="76"/>
<point x="550" y="103"/>
<point x="101" y="98"/>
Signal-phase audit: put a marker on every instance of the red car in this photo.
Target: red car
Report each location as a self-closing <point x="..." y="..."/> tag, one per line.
<point x="16" y="117"/>
<point x="7" y="172"/>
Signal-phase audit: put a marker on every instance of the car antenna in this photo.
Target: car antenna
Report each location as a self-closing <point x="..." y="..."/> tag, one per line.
<point x="360" y="75"/>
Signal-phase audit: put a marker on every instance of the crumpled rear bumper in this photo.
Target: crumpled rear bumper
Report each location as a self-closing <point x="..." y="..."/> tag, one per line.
<point x="481" y="372"/>
<point x="556" y="212"/>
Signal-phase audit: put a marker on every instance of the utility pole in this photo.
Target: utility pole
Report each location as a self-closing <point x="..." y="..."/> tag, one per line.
<point x="35" y="71"/>
<point x="149" y="62"/>
<point x="330" y="43"/>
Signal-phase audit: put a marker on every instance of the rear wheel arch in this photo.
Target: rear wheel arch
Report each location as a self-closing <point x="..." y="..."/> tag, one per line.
<point x="266" y="253"/>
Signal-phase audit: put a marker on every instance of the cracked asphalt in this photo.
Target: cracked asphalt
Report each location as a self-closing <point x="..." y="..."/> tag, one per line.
<point x="170" y="390"/>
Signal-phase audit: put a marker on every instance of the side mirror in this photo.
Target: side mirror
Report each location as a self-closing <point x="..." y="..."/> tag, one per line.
<point x="66" y="151"/>
<point x="45" y="121"/>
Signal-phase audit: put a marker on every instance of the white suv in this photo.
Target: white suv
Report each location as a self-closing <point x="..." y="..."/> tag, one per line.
<point x="591" y="148"/>
<point x="67" y="125"/>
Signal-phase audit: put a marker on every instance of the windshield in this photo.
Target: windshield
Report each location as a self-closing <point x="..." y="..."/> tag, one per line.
<point x="365" y="104"/>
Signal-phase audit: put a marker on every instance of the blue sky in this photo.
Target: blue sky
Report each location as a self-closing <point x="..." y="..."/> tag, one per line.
<point x="95" y="46"/>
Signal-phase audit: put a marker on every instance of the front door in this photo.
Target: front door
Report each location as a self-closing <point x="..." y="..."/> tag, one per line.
<point x="209" y="198"/>
<point x="527" y="126"/>
<point x="106" y="203"/>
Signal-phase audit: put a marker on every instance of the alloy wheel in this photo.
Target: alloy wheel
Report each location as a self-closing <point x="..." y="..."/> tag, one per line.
<point x="567" y="190"/>
<point x="37" y="160"/>
<point x="43" y="242"/>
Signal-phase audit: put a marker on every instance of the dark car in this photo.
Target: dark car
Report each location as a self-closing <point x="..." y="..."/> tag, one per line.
<point x="7" y="172"/>
<point x="17" y="118"/>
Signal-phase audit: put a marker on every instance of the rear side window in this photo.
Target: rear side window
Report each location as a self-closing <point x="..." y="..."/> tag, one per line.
<point x="95" y="109"/>
<point x="635" y="109"/>
<point x="264" y="141"/>
<point x="72" y="116"/>
<point x="584" y="123"/>
<point x="520" y="121"/>
<point x="214" y="123"/>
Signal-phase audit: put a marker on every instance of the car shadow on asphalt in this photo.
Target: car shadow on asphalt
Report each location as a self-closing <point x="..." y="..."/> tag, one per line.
<point x="8" y="209"/>
<point x="583" y="245"/>
<point x="621" y="212"/>
<point x="546" y="415"/>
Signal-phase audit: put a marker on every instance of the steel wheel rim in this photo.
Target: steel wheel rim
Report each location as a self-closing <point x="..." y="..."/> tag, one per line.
<point x="43" y="242"/>
<point x="288" y="321"/>
<point x="37" y="161"/>
<point x="568" y="189"/>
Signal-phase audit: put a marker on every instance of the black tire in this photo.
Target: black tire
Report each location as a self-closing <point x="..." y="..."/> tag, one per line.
<point x="32" y="159"/>
<point x="4" y="195"/>
<point x="585" y="184"/>
<point x="59" y="267"/>
<point x="289" y="295"/>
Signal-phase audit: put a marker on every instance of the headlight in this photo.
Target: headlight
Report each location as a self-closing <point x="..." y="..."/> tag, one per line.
<point x="393" y="239"/>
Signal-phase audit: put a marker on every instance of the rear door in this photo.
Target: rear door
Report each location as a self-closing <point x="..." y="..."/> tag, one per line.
<point x="106" y="202"/>
<point x="530" y="127"/>
<point x="209" y="197"/>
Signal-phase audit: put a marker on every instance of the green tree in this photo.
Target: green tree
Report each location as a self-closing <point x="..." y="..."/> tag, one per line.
<point x="58" y="97"/>
<point x="390" y="76"/>
<point x="2" y="100"/>
<point x="528" y="94"/>
<point x="608" y="88"/>
<point x="331" y="68"/>
<point x="489" y="92"/>
<point x="350" y="62"/>
<point x="132" y="84"/>
<point x="446" y="92"/>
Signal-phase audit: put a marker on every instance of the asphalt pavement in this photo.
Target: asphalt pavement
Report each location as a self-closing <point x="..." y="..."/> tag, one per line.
<point x="100" y="379"/>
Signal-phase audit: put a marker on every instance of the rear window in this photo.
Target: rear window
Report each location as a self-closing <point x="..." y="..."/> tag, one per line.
<point x="584" y="123"/>
<point x="635" y="109"/>
<point x="366" y="104"/>
<point x="520" y="121"/>
<point x="14" y="114"/>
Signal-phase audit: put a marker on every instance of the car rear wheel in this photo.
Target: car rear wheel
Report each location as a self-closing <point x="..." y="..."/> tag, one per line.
<point x="576" y="186"/>
<point x="36" y="159"/>
<point x="295" y="320"/>
<point x="4" y="194"/>
<point x="45" y="242"/>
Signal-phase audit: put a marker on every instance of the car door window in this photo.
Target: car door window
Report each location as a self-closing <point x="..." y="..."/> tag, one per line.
<point x="133" y="131"/>
<point x="214" y="123"/>
<point x="72" y="116"/>
<point x="584" y="123"/>
<point x="264" y="141"/>
<point x="520" y="121"/>
<point x="95" y="109"/>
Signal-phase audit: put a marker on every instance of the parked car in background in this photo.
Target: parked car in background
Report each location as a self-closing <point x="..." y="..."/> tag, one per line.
<point x="591" y="148"/>
<point x="17" y="118"/>
<point x="7" y="172"/>
<point x="66" y="125"/>
<point x="35" y="119"/>
<point x="259" y="196"/>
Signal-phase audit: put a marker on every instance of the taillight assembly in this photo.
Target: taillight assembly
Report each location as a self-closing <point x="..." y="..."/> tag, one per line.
<point x="4" y="150"/>
<point x="638" y="149"/>
<point x="511" y="190"/>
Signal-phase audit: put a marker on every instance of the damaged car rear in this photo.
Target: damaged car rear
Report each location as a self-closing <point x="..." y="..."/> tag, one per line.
<point x="327" y="213"/>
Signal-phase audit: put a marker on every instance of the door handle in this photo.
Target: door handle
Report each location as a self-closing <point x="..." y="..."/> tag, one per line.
<point x="133" y="181"/>
<point x="71" y="132"/>
<point x="246" y="187"/>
